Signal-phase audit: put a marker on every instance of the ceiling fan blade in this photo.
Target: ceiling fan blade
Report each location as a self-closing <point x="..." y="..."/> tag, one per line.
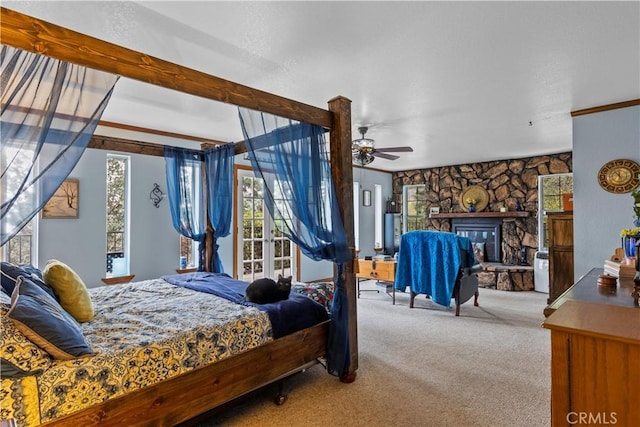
<point x="394" y="149"/>
<point x="376" y="153"/>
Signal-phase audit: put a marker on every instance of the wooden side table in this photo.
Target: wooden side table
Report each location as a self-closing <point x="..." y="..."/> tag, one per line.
<point x="382" y="271"/>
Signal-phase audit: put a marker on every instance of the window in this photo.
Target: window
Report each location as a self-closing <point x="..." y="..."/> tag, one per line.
<point x="356" y="214"/>
<point x="551" y="189"/>
<point x="189" y="248"/>
<point x="377" y="203"/>
<point x="414" y="207"/>
<point x="20" y="249"/>
<point x="117" y="215"/>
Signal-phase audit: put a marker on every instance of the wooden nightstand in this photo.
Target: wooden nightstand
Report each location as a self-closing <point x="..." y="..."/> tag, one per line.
<point x="382" y="271"/>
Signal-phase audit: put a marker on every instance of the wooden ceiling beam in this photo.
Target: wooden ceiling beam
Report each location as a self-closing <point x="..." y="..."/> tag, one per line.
<point x="126" y="145"/>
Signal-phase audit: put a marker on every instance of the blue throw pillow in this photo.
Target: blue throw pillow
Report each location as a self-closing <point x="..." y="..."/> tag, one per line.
<point x="9" y="274"/>
<point x="41" y="319"/>
<point x="19" y="356"/>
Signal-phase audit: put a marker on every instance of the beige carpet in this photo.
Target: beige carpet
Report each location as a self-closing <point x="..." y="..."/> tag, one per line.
<point x="424" y="367"/>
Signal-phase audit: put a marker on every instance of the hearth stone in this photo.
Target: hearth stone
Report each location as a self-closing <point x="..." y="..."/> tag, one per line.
<point x="506" y="277"/>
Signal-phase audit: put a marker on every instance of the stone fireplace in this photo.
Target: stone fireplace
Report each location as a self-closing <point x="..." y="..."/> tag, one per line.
<point x="510" y="184"/>
<point x="504" y="267"/>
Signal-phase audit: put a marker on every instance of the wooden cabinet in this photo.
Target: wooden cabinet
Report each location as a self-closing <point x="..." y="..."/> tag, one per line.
<point x="560" y="229"/>
<point x="595" y="374"/>
<point x="384" y="271"/>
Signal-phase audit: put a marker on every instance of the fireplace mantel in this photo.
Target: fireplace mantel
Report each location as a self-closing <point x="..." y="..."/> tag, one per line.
<point x="513" y="214"/>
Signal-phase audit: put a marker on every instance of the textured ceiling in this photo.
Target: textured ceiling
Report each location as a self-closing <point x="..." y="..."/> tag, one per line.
<point x="460" y="82"/>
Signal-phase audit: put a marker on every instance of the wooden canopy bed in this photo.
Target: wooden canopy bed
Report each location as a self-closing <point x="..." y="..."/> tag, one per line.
<point x="210" y="386"/>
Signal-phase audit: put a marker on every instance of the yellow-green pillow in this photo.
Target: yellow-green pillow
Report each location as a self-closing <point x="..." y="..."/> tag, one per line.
<point x="70" y="289"/>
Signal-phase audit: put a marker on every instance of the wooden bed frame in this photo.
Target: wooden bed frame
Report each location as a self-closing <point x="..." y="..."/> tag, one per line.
<point x="182" y="398"/>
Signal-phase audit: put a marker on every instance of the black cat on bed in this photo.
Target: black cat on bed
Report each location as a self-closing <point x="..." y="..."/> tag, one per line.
<point x="265" y="290"/>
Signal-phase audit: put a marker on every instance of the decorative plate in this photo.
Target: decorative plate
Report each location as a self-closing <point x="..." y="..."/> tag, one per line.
<point x="619" y="176"/>
<point x="474" y="192"/>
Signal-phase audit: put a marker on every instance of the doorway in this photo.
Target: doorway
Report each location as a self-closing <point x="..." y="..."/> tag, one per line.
<point x="263" y="251"/>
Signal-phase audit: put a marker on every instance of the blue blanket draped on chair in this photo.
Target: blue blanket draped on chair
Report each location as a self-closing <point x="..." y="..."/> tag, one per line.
<point x="429" y="263"/>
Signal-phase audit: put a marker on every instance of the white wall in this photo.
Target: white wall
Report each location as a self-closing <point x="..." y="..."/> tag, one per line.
<point x="599" y="215"/>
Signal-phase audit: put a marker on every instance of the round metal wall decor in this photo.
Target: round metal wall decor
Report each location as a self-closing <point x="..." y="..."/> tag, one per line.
<point x="619" y="176"/>
<point x="477" y="193"/>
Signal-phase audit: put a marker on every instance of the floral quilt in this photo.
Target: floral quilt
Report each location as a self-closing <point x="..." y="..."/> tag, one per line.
<point x="142" y="333"/>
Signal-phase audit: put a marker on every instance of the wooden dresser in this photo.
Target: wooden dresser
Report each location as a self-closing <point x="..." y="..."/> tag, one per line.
<point x="595" y="350"/>
<point x="560" y="228"/>
<point x="595" y="369"/>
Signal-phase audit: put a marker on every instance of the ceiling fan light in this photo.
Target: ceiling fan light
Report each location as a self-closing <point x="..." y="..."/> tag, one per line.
<point x="362" y="158"/>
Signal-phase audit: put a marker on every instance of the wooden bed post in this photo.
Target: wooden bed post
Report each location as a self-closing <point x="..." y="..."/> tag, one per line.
<point x="342" y="172"/>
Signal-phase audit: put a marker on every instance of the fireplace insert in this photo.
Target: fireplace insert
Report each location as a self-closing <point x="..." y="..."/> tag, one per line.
<point x="481" y="230"/>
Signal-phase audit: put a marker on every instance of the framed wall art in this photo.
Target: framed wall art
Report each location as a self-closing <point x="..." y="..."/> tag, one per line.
<point x="64" y="202"/>
<point x="366" y="198"/>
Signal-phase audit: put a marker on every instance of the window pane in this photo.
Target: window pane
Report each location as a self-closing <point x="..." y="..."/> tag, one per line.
<point x="414" y="205"/>
<point x="257" y="267"/>
<point x="257" y="250"/>
<point x="246" y="267"/>
<point x="258" y="230"/>
<point x="186" y="249"/>
<point x="116" y="211"/>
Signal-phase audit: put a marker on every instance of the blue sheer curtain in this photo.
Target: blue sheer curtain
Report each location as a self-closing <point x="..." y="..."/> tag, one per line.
<point x="50" y="109"/>
<point x="291" y="158"/>
<point x="219" y="163"/>
<point x="184" y="180"/>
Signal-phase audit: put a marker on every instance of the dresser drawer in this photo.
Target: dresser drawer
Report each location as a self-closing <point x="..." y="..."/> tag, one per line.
<point x="378" y="270"/>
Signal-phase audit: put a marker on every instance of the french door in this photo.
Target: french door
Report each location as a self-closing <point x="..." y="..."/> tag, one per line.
<point x="263" y="251"/>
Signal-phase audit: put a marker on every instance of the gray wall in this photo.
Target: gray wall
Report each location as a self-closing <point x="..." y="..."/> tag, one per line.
<point x="155" y="245"/>
<point x="81" y="242"/>
<point x="599" y="215"/>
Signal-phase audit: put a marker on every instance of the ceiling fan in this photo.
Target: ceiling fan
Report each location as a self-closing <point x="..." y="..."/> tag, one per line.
<point x="363" y="150"/>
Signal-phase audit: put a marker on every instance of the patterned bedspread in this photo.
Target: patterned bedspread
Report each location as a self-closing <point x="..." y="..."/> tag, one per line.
<point x="143" y="333"/>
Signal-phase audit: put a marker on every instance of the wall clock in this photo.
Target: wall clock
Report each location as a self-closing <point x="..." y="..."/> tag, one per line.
<point x="619" y="176"/>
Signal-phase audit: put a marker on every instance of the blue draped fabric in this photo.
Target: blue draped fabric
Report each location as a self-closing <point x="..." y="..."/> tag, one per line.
<point x="219" y="172"/>
<point x="429" y="263"/>
<point x="184" y="177"/>
<point x="50" y="109"/>
<point x="291" y="158"/>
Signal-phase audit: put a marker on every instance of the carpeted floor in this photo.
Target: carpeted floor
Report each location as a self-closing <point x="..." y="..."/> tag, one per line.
<point x="424" y="367"/>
